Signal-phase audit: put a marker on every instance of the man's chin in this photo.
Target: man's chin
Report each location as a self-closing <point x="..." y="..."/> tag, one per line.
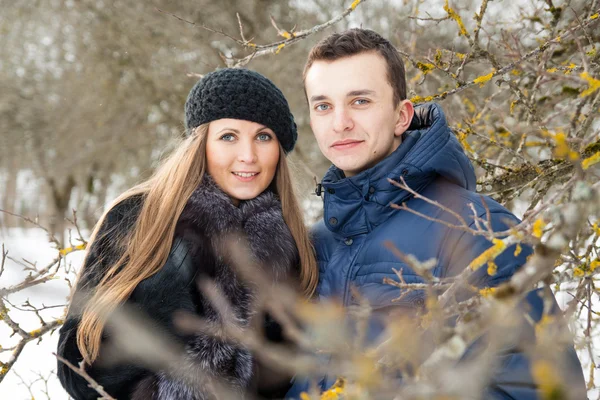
<point x="350" y="169"/>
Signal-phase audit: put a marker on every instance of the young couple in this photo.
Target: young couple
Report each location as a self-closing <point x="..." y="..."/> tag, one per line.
<point x="230" y="175"/>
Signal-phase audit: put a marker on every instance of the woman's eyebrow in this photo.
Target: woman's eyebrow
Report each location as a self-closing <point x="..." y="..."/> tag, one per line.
<point x="229" y="129"/>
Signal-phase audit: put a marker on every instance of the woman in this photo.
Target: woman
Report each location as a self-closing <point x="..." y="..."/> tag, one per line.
<point x="160" y="238"/>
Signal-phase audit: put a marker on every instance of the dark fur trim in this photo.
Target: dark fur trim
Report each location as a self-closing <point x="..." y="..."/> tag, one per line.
<point x="208" y="217"/>
<point x="269" y="237"/>
<point x="146" y="389"/>
<point x="210" y="210"/>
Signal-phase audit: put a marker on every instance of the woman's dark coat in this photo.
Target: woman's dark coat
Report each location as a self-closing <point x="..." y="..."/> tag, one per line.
<point x="208" y="215"/>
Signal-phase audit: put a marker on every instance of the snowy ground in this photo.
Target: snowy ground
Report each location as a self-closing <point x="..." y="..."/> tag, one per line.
<point x="37" y="360"/>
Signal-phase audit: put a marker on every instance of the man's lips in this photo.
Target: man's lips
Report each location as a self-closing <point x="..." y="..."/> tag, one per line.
<point x="346" y="144"/>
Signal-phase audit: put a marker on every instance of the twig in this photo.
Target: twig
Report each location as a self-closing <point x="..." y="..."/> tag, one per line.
<point x="511" y="66"/>
<point x="241" y="28"/>
<point x="272" y="48"/>
<point x="4" y="254"/>
<point x="417" y="195"/>
<point x="422" y="269"/>
<point x="52" y="238"/>
<point x="200" y="25"/>
<point x="551" y="169"/>
<point x="26" y="337"/>
<point x="479" y="19"/>
<point x="76" y="224"/>
<point x="81" y="372"/>
<point x="593" y="114"/>
<point x="275" y="47"/>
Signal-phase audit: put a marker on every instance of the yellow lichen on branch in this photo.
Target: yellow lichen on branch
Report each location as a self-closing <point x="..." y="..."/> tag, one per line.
<point x="286" y="34"/>
<point x="570" y="68"/>
<point x="488" y="255"/>
<point x="492" y="268"/>
<point x="535" y="143"/>
<point x="562" y="149"/>
<point x="67" y="250"/>
<point x="354" y="4"/>
<point x="3" y="369"/>
<point x="419" y="99"/>
<point x="538" y="228"/>
<point x="35" y="333"/>
<point x="452" y="14"/>
<point x="438" y="59"/>
<point x="482" y="80"/>
<point x="281" y="46"/>
<point x="596" y="229"/>
<point x="462" y="138"/>
<point x="588" y="162"/>
<point x="425" y="67"/>
<point x="592" y="82"/>
<point x="335" y="392"/>
<point x="487" y="291"/>
<point x="518" y="250"/>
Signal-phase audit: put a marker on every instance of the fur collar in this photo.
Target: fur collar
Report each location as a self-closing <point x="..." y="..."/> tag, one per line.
<point x="211" y="210"/>
<point x="210" y="213"/>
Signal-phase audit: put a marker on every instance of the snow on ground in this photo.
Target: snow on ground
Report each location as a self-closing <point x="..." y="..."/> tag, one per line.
<point x="36" y="359"/>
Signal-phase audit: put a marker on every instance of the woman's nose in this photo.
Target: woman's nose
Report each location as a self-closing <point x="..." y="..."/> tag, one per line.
<point x="247" y="153"/>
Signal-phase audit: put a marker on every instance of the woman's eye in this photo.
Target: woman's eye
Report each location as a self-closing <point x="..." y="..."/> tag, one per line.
<point x="322" y="107"/>
<point x="264" y="137"/>
<point x="228" y="137"/>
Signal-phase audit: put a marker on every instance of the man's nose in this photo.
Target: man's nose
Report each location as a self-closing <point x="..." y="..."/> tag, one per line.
<point x="342" y="120"/>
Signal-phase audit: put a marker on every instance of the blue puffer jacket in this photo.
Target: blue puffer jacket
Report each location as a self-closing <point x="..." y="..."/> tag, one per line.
<point x="358" y="219"/>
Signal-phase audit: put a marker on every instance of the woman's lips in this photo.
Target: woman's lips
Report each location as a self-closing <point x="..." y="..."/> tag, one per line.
<point x="245" y="176"/>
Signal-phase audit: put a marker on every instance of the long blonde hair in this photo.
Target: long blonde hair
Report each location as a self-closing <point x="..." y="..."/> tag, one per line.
<point x="146" y="247"/>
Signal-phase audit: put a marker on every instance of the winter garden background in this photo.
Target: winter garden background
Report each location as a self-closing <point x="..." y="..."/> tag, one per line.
<point x="92" y="96"/>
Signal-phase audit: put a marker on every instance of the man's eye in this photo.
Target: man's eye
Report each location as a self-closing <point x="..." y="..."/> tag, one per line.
<point x="322" y="107"/>
<point x="264" y="137"/>
<point x="228" y="137"/>
<point x="361" y="102"/>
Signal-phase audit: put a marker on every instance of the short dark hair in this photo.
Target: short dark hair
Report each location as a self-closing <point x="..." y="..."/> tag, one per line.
<point x="356" y="41"/>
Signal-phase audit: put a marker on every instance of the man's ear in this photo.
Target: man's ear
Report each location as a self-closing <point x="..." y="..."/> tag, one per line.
<point x="405" y="112"/>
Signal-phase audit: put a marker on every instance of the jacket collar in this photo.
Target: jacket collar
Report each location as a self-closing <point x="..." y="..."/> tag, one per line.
<point x="357" y="204"/>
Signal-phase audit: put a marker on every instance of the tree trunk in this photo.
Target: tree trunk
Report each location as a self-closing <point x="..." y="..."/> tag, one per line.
<point x="61" y="197"/>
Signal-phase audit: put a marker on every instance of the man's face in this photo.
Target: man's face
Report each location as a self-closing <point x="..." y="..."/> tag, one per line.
<point x="352" y="111"/>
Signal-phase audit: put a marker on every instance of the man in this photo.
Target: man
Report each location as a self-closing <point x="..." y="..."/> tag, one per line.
<point x="364" y="125"/>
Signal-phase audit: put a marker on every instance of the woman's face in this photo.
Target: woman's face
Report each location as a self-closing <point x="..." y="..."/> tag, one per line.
<point x="241" y="157"/>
